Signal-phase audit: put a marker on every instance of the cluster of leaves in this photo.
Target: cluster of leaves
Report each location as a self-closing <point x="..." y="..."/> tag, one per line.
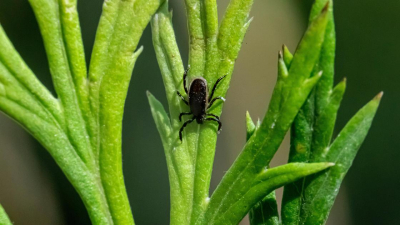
<point x="81" y="128"/>
<point x="310" y="199"/>
<point x="303" y="95"/>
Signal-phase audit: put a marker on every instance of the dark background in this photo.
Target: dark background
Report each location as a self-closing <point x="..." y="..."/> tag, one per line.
<point x="34" y="191"/>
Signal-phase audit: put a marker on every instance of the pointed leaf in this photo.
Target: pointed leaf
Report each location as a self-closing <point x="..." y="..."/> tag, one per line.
<point x="325" y="120"/>
<point x="322" y="189"/>
<point x="287" y="56"/>
<point x="4" y="220"/>
<point x="180" y="155"/>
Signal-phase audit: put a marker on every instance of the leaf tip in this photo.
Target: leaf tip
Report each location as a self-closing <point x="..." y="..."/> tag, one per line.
<point x="330" y="164"/>
<point x="138" y="51"/>
<point x="379" y="96"/>
<point x="341" y="85"/>
<point x="148" y="94"/>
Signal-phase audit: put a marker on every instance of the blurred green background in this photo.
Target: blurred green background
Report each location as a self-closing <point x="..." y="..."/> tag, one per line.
<point x="34" y="191"/>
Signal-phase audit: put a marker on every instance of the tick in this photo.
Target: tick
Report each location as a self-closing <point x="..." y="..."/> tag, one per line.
<point x="199" y="102"/>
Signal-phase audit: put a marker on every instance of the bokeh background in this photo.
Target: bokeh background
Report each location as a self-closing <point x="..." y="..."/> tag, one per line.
<point x="33" y="190"/>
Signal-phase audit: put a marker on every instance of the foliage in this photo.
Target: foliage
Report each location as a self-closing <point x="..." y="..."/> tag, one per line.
<point x="249" y="180"/>
<point x="81" y="127"/>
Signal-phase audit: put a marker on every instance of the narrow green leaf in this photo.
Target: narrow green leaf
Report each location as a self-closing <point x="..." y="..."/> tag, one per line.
<point x="121" y="26"/>
<point x="4" y="220"/>
<point x="323" y="111"/>
<point x="308" y="51"/>
<point x="210" y="21"/>
<point x="300" y="149"/>
<point x="112" y="100"/>
<point x="76" y="58"/>
<point x="179" y="154"/>
<point x="14" y="91"/>
<point x="233" y="28"/>
<point x="266" y="211"/>
<point x="322" y="189"/>
<point x="277" y="100"/>
<point x="167" y="136"/>
<point x="262" y="146"/>
<point x="207" y="133"/>
<point x="25" y="77"/>
<point x="197" y="36"/>
<point x="325" y="121"/>
<point x="168" y="58"/>
<point x="48" y="16"/>
<point x="265" y="182"/>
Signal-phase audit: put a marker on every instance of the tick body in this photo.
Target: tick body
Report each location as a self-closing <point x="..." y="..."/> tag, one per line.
<point x="199" y="102"/>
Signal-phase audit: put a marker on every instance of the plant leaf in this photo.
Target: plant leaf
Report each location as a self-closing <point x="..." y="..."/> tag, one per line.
<point x="322" y="189"/>
<point x="266" y="211"/>
<point x="25" y="77"/>
<point x="313" y="127"/>
<point x="114" y="56"/>
<point x="48" y="16"/>
<point x="287" y="56"/>
<point x="219" y="62"/>
<point x="179" y="154"/>
<point x="4" y="220"/>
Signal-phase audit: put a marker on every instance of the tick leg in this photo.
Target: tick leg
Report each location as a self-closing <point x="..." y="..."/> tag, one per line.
<point x="182" y="114"/>
<point x="183" y="99"/>
<point x="216" y="120"/>
<point x="184" y="79"/>
<point x="215" y="86"/>
<point x="212" y="101"/>
<point x="183" y="126"/>
<point x="210" y="114"/>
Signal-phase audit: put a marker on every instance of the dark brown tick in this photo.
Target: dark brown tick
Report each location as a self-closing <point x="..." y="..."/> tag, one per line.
<point x="199" y="102"/>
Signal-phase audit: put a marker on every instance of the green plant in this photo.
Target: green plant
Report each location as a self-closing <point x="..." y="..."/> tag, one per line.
<point x="81" y="128"/>
<point x="304" y="88"/>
